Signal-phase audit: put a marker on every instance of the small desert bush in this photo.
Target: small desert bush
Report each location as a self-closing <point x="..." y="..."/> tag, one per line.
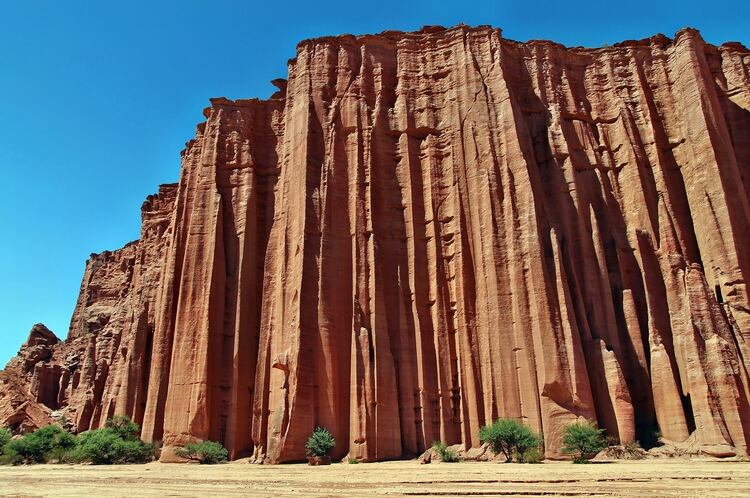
<point x="320" y="442"/>
<point x="5" y="436"/>
<point x="62" y="449"/>
<point x="7" y="457"/>
<point x="116" y="442"/>
<point x="531" y="455"/>
<point x="43" y="445"/>
<point x="509" y="437"/>
<point x="126" y="429"/>
<point x="583" y="440"/>
<point x="352" y="461"/>
<point x="446" y="454"/>
<point x="105" y="447"/>
<point x="205" y="452"/>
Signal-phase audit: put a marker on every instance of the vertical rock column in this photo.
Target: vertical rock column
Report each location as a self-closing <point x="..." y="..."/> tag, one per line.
<point x="224" y="203"/>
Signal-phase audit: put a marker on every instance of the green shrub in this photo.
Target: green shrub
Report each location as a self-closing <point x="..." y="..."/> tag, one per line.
<point x="352" y="461"/>
<point x="116" y="443"/>
<point x="5" y="436"/>
<point x="320" y="443"/>
<point x="40" y="446"/>
<point x="446" y="454"/>
<point x="137" y="452"/>
<point x="583" y="440"/>
<point x="126" y="429"/>
<point x="531" y="455"/>
<point x="10" y="457"/>
<point x="99" y="446"/>
<point x="62" y="448"/>
<point x="207" y="452"/>
<point x="105" y="446"/>
<point x="509" y="437"/>
<point x="7" y="455"/>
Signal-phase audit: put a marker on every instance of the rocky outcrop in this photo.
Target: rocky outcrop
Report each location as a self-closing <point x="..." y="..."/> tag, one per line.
<point x="104" y="362"/>
<point x="25" y="387"/>
<point x="422" y="232"/>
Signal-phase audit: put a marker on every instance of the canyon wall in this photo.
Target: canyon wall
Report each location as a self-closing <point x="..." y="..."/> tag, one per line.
<point x="419" y="233"/>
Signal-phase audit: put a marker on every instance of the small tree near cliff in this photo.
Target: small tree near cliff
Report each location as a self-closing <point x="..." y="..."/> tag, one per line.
<point x="106" y="447"/>
<point x="583" y="440"/>
<point x="126" y="429"/>
<point x="320" y="442"/>
<point x="205" y="452"/>
<point x="509" y="437"/>
<point x="116" y="442"/>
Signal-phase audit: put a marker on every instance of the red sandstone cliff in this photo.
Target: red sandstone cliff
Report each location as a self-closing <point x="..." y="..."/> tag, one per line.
<point x="422" y="232"/>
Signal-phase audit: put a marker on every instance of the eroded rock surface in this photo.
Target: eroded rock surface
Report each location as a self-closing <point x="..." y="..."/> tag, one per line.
<point x="422" y="232"/>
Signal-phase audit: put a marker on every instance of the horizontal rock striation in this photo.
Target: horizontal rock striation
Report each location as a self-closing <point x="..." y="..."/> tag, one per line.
<point x="421" y="232"/>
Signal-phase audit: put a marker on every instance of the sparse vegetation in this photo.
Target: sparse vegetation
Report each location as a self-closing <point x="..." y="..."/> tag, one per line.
<point x="40" y="446"/>
<point x="105" y="446"/>
<point x="126" y="429"/>
<point x="446" y="454"/>
<point x="320" y="442"/>
<point x="583" y="440"/>
<point x="62" y="448"/>
<point x="628" y="451"/>
<point x="116" y="443"/>
<point x="5" y="436"/>
<point x="511" y="438"/>
<point x="352" y="461"/>
<point x="612" y="440"/>
<point x="205" y="452"/>
<point x="531" y="455"/>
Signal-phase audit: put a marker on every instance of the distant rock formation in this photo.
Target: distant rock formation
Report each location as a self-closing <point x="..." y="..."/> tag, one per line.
<point x="421" y="232"/>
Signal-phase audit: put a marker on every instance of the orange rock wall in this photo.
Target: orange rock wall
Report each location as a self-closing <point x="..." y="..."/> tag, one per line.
<point x="422" y="232"/>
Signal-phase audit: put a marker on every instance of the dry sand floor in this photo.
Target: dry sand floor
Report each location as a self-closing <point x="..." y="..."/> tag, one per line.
<point x="406" y="478"/>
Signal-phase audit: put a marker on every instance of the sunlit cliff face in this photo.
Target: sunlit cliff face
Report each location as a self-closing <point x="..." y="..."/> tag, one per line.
<point x="422" y="232"/>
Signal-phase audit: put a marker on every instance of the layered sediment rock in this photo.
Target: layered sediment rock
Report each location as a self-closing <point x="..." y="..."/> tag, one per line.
<point x="422" y="232"/>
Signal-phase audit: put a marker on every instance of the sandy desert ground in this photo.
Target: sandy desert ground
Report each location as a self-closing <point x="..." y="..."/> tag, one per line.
<point x="406" y="478"/>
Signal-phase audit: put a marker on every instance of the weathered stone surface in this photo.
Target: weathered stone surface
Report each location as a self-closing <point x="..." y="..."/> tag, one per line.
<point x="422" y="232"/>
<point x="104" y="362"/>
<point x="19" y="409"/>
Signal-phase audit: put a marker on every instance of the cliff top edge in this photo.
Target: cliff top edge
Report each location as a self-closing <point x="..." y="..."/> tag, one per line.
<point x="430" y="31"/>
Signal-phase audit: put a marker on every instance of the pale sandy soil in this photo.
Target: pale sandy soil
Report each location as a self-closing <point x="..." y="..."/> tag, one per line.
<point x="407" y="478"/>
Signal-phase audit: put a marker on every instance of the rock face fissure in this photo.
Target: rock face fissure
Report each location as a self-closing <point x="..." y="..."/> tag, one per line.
<point x="420" y="233"/>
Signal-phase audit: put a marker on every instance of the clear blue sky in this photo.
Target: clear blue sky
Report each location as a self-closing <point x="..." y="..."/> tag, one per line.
<point x="98" y="98"/>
